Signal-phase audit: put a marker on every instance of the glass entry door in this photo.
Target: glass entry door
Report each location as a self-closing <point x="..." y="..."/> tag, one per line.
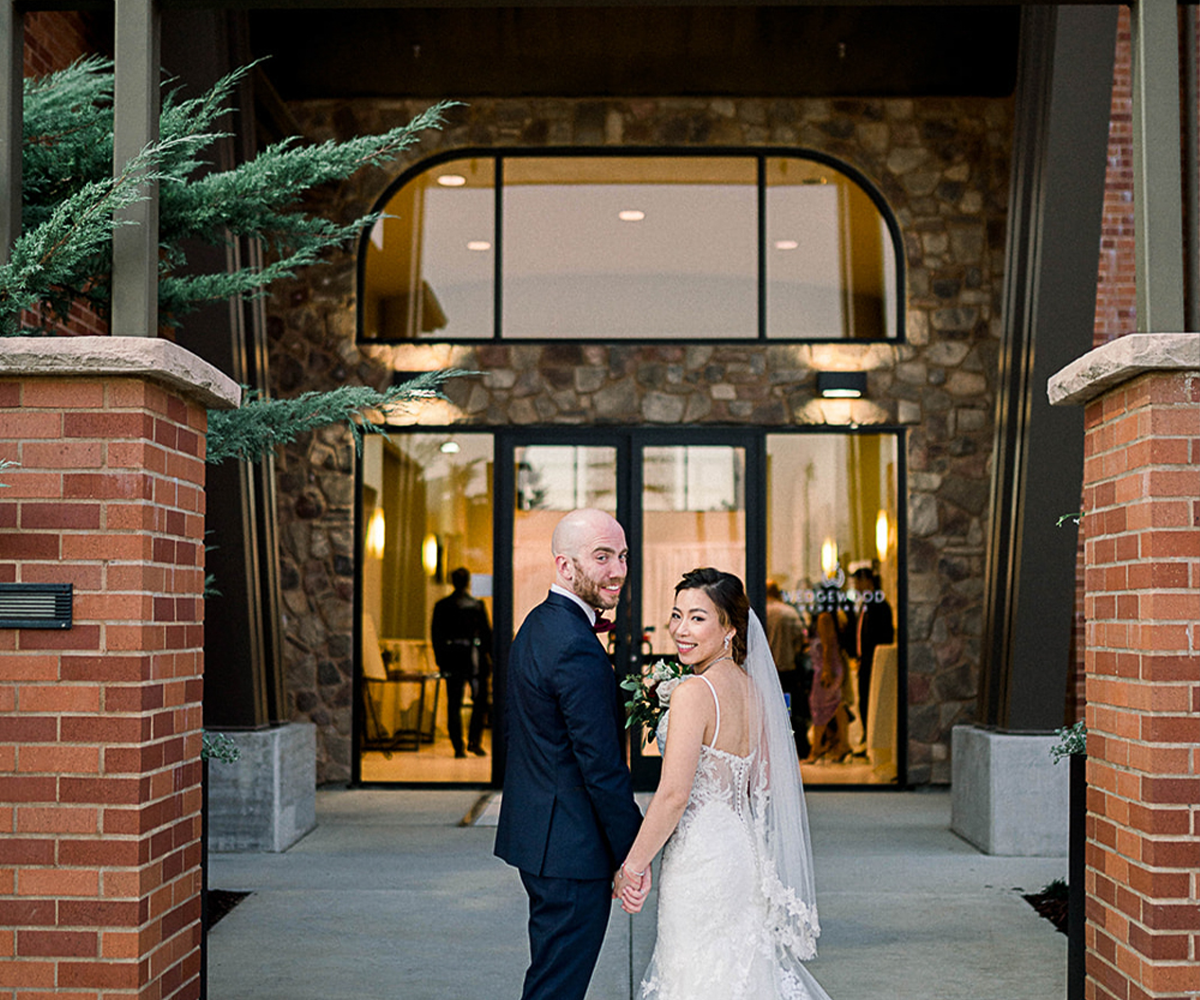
<point x="682" y="505"/>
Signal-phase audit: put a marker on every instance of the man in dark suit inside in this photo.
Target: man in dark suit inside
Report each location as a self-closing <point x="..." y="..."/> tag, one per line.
<point x="567" y="815"/>
<point x="873" y="627"/>
<point x="462" y="647"/>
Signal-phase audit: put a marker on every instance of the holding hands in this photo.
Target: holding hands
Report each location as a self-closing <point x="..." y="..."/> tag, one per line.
<point x="631" y="887"/>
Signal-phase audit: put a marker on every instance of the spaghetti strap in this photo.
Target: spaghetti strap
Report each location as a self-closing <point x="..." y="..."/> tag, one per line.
<point x="717" y="731"/>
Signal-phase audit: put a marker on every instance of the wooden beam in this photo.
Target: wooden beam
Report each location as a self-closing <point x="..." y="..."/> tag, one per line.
<point x="135" y="126"/>
<point x="12" y="48"/>
<point x="1157" y="188"/>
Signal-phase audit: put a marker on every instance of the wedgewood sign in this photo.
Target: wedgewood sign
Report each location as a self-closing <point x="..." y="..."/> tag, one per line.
<point x="824" y="599"/>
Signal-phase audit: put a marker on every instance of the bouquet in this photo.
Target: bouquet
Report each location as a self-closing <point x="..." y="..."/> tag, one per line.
<point x="650" y="693"/>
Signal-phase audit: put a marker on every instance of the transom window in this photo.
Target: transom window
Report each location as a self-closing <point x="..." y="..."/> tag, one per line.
<point x="631" y="246"/>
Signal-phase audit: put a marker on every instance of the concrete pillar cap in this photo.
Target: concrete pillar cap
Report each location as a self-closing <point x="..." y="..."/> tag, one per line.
<point x="160" y="360"/>
<point x="1121" y="360"/>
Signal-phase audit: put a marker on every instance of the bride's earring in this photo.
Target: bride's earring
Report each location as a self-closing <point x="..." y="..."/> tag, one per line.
<point x="727" y="638"/>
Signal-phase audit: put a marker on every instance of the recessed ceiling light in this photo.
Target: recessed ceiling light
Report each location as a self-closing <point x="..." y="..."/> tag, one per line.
<point x="631" y="215"/>
<point x="786" y="244"/>
<point x="452" y="180"/>
<point x="479" y="245"/>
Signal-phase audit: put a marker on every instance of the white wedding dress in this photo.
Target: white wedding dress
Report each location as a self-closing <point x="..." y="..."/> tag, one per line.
<point x="727" y="927"/>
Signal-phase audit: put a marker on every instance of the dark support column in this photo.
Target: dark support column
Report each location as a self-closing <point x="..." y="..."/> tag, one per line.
<point x="1055" y="216"/>
<point x="135" y="126"/>
<point x="12" y="47"/>
<point x="1191" y="171"/>
<point x="1157" y="195"/>
<point x="243" y="670"/>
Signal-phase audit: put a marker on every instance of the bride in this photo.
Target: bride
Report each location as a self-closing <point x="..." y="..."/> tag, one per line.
<point x="736" y="900"/>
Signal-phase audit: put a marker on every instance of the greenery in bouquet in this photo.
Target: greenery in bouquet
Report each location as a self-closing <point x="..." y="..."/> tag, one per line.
<point x="650" y="694"/>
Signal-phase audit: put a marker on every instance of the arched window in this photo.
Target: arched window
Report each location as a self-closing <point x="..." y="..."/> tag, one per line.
<point x="629" y="245"/>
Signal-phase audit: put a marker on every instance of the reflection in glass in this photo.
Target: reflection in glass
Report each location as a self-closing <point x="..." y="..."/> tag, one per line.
<point x="630" y="247"/>
<point x="832" y="508"/>
<point x="830" y="259"/>
<point x="694" y="514"/>
<point x="552" y="480"/>
<point x="426" y="509"/>
<point x="694" y="508"/>
<point x="430" y="262"/>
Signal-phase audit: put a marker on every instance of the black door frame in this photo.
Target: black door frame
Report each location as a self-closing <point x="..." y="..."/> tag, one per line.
<point x="629" y="442"/>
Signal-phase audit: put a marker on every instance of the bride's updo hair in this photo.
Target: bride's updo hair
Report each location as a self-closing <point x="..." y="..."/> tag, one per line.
<point x="725" y="591"/>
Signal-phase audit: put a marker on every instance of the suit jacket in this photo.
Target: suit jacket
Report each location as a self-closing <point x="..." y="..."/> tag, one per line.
<point x="874" y="628"/>
<point x="460" y="632"/>
<point x="567" y="809"/>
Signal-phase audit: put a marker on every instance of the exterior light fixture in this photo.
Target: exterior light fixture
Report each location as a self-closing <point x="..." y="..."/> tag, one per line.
<point x="786" y="244"/>
<point x="842" y="385"/>
<point x="631" y="215"/>
<point x="36" y="605"/>
<point x="478" y="245"/>
<point x="449" y="447"/>
<point x="452" y="180"/>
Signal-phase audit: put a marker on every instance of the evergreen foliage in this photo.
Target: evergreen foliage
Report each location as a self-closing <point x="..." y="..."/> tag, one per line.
<point x="260" y="424"/>
<point x="69" y="194"/>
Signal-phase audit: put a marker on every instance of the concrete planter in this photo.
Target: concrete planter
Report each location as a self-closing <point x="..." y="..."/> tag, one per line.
<point x="267" y="799"/>
<point x="1008" y="796"/>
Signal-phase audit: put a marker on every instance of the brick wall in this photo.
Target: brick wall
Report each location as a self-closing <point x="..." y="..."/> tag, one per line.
<point x="53" y="40"/>
<point x="100" y="726"/>
<point x="1142" y="528"/>
<point x="1116" y="310"/>
<point x="56" y="38"/>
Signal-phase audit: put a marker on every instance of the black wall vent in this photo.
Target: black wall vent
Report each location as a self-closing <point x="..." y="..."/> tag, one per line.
<point x="35" y="605"/>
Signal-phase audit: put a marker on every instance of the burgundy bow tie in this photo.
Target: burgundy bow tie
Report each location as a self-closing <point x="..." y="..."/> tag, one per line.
<point x="602" y="624"/>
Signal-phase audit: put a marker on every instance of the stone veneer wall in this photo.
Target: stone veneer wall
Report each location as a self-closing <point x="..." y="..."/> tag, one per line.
<point x="943" y="166"/>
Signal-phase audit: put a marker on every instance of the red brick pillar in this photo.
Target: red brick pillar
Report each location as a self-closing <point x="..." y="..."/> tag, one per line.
<point x="1142" y="605"/>
<point x="100" y="725"/>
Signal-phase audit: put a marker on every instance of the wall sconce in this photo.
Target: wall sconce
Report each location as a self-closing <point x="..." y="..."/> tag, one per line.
<point x="376" y="534"/>
<point x="842" y="385"/>
<point x="882" y="535"/>
<point x="829" y="557"/>
<point x="430" y="551"/>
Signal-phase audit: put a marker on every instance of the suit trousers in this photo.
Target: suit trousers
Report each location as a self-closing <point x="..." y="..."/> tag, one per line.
<point x="457" y="678"/>
<point x="567" y="921"/>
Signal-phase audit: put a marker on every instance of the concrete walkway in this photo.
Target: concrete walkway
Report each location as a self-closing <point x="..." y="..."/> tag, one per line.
<point x="390" y="899"/>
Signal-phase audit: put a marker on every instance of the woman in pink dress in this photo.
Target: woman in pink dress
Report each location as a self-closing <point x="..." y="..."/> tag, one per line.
<point x="829" y="669"/>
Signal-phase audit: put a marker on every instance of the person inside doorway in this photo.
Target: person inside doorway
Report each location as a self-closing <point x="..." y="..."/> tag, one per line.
<point x="826" y="701"/>
<point x="785" y="635"/>
<point x="873" y="627"/>
<point x="462" y="647"/>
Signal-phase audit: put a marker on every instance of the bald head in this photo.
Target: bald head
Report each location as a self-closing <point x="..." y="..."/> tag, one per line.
<point x="590" y="556"/>
<point x="572" y="533"/>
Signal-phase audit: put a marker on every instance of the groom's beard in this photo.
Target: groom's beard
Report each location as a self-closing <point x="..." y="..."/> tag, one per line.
<point x="588" y="589"/>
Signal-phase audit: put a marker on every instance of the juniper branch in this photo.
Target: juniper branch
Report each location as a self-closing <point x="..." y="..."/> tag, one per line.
<point x="261" y="424"/>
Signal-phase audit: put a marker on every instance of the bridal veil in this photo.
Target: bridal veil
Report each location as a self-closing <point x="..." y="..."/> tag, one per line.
<point x="777" y="805"/>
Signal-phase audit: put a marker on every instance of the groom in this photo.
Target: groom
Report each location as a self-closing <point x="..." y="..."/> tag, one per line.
<point x="567" y="816"/>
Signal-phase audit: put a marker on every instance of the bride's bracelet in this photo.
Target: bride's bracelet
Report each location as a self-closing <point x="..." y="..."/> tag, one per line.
<point x="631" y="874"/>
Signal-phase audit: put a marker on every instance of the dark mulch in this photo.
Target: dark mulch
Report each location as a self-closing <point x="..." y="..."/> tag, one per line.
<point x="220" y="902"/>
<point x="1052" y="905"/>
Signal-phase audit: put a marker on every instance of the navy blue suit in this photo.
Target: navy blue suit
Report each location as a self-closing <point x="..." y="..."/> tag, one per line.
<point x="567" y="817"/>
